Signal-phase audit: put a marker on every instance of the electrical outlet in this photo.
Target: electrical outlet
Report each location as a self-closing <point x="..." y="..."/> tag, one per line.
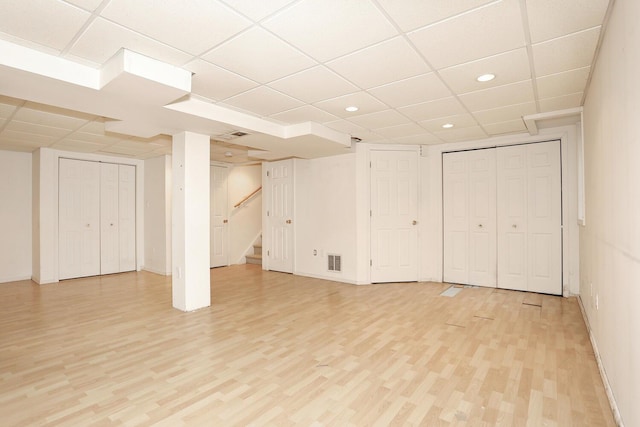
<point x="315" y="252"/>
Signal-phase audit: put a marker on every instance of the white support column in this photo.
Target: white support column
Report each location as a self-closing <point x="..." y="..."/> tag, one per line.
<point x="190" y="240"/>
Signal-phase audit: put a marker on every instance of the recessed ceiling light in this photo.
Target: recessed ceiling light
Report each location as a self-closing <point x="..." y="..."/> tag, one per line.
<point x="351" y="108"/>
<point x="486" y="77"/>
<point x="447" y="125"/>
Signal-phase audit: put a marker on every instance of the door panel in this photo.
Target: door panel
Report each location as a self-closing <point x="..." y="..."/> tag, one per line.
<point x="512" y="217"/>
<point x="127" y="217"/>
<point x="109" y="213"/>
<point x="469" y="196"/>
<point x="79" y="218"/>
<point x="456" y="217"/>
<point x="529" y="218"/>
<point x="219" y="226"/>
<point x="545" y="218"/>
<point x="280" y="216"/>
<point x="394" y="214"/>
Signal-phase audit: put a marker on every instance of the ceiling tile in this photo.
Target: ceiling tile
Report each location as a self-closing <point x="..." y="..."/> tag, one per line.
<point x="363" y="67"/>
<point x="400" y="131"/>
<point x="461" y="134"/>
<point x="216" y="83"/>
<point x="505" y="127"/>
<point x="564" y="83"/>
<point x="129" y="148"/>
<point x="565" y="53"/>
<point x="90" y="5"/>
<point x="94" y="138"/>
<point x="433" y="109"/>
<point x="6" y="110"/>
<point x="188" y="25"/>
<point x="411" y="14"/>
<point x="103" y="39"/>
<point x="314" y="84"/>
<point x="338" y="27"/>
<point x="74" y="145"/>
<point x="515" y="93"/>
<point x="414" y="90"/>
<point x="259" y="55"/>
<point x="365" y="103"/>
<point x="257" y="10"/>
<point x="95" y="127"/>
<point x="472" y="35"/>
<point x="508" y="67"/>
<point x="424" y="138"/>
<point x="561" y="102"/>
<point x="53" y="117"/>
<point x="49" y="23"/>
<point x="304" y="114"/>
<point x="553" y="18"/>
<point x="459" y="121"/>
<point x="263" y="101"/>
<point x="505" y="114"/>
<point x="29" y="138"/>
<point x="380" y="119"/>
<point x="37" y="129"/>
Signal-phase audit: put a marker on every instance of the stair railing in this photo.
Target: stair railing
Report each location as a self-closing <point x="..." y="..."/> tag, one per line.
<point x="246" y="199"/>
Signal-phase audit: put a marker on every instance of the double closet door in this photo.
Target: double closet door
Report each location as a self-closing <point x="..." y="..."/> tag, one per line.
<point x="502" y="215"/>
<point x="96" y="218"/>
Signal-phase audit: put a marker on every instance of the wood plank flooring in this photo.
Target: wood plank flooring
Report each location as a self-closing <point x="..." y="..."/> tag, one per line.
<point x="276" y="349"/>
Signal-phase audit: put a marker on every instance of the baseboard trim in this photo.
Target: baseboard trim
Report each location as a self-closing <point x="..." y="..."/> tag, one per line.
<point x="603" y="374"/>
<point x="153" y="270"/>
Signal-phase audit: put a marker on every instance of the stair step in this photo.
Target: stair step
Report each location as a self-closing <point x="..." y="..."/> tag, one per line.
<point x="254" y="259"/>
<point x="257" y="249"/>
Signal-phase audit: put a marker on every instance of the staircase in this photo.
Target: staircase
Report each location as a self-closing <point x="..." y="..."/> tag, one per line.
<point x="256" y="257"/>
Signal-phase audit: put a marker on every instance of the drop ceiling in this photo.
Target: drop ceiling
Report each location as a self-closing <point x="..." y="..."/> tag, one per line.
<point x="268" y="67"/>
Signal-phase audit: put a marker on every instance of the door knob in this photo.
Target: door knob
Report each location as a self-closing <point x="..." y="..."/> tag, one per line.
<point x="288" y="221"/>
<point x="480" y="225"/>
<point x="414" y="222"/>
<point x="224" y="221"/>
<point x="88" y="225"/>
<point x="514" y="226"/>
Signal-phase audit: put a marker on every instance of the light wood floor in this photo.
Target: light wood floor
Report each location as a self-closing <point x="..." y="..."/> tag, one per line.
<point x="275" y="349"/>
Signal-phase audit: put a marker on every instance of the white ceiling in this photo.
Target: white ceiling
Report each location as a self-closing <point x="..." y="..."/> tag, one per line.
<point x="410" y="66"/>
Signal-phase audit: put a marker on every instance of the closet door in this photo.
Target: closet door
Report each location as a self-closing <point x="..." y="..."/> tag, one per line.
<point x="127" y="217"/>
<point x="469" y="190"/>
<point x="78" y="218"/>
<point x="530" y="218"/>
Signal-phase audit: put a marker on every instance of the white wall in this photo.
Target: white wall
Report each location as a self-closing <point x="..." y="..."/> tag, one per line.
<point x="157" y="215"/>
<point x="325" y="216"/>
<point x="245" y="222"/>
<point x="610" y="241"/>
<point x="15" y="216"/>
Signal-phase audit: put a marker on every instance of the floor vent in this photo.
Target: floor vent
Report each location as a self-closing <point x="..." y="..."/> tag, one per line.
<point x="334" y="262"/>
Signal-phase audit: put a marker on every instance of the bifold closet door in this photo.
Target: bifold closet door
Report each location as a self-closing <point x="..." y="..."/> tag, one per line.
<point x="530" y="218"/>
<point x="97" y="229"/>
<point x="469" y="189"/>
<point x="78" y="218"/>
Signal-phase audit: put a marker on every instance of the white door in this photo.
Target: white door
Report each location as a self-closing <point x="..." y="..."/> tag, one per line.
<point x="394" y="216"/>
<point x="127" y="217"/>
<point x="219" y="218"/>
<point x="109" y="223"/>
<point x="78" y="218"/>
<point x="529" y="218"/>
<point x="280" y="216"/>
<point x="469" y="214"/>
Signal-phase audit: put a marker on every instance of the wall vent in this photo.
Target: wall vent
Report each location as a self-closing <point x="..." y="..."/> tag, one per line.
<point x="334" y="262"/>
